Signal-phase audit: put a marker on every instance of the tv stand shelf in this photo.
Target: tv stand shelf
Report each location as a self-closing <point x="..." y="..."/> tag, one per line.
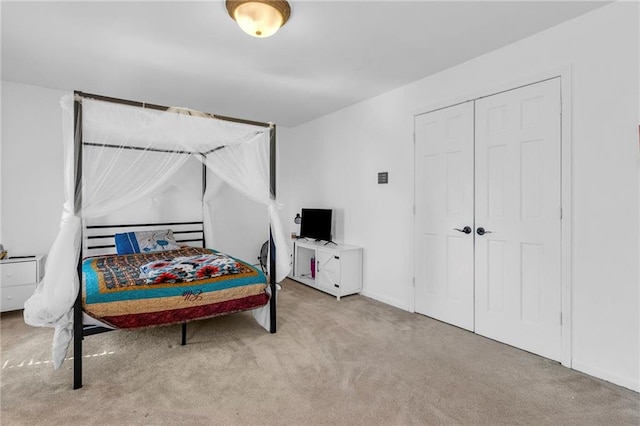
<point x="337" y="267"/>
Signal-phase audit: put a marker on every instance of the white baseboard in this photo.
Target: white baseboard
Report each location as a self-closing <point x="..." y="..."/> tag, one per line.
<point x="389" y="301"/>
<point x="627" y="382"/>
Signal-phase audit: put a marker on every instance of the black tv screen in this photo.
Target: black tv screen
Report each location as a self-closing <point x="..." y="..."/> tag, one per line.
<point x="316" y="224"/>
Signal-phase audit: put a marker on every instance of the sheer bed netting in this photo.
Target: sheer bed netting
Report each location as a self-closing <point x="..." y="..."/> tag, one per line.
<point x="114" y="178"/>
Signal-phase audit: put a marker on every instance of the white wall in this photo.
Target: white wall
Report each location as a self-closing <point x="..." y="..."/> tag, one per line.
<point x="32" y="191"/>
<point x="240" y="225"/>
<point x="333" y="162"/>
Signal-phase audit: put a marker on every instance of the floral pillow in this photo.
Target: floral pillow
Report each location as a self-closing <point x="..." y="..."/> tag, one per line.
<point x="146" y="241"/>
<point x="189" y="268"/>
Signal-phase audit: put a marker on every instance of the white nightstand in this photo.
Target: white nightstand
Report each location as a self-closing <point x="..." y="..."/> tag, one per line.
<point x="18" y="279"/>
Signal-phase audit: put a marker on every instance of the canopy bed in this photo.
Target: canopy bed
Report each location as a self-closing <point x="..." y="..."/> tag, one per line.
<point x="118" y="152"/>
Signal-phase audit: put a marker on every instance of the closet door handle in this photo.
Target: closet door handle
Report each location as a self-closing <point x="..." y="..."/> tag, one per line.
<point x="482" y="231"/>
<point x="466" y="230"/>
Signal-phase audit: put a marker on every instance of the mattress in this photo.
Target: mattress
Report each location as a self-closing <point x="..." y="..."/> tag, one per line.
<point x="150" y="289"/>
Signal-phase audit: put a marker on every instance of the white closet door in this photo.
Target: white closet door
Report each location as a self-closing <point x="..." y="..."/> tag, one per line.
<point x="518" y="269"/>
<point x="444" y="201"/>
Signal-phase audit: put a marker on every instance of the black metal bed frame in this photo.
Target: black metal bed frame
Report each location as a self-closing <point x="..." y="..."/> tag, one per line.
<point x="79" y="329"/>
<point x="90" y="329"/>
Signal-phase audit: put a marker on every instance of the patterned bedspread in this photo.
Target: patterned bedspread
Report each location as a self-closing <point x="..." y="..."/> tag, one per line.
<point x="147" y="289"/>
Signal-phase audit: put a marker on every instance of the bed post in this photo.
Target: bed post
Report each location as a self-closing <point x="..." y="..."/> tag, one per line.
<point x="272" y="246"/>
<point x="183" y="340"/>
<point x="77" y="307"/>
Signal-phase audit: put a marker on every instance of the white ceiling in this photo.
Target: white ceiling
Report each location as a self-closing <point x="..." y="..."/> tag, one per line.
<point x="330" y="54"/>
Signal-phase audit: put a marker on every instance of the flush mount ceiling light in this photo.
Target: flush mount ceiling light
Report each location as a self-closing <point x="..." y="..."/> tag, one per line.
<point x="259" y="18"/>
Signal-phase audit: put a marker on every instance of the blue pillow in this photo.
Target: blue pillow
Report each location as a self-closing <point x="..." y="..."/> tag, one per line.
<point x="127" y="243"/>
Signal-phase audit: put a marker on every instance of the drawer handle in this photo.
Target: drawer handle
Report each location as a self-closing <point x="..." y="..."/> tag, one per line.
<point x="9" y="297"/>
<point x="9" y="274"/>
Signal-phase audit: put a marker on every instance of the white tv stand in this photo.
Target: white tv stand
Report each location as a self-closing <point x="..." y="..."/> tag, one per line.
<point x="338" y="267"/>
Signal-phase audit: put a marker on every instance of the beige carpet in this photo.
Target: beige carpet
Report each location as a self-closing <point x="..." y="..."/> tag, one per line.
<point x="356" y="361"/>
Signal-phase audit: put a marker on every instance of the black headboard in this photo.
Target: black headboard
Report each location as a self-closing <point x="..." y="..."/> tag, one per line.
<point x="99" y="239"/>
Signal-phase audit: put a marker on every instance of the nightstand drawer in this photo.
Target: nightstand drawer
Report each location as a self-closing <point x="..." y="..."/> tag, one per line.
<point x="13" y="298"/>
<point x="18" y="273"/>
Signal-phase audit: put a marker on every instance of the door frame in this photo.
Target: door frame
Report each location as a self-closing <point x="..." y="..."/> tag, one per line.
<point x="565" y="75"/>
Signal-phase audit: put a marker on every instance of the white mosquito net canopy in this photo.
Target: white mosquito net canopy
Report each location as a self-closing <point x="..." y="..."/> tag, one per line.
<point x="129" y="153"/>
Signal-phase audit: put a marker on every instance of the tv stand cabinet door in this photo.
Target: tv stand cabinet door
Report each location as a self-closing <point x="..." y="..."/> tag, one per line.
<point x="351" y="271"/>
<point x="328" y="270"/>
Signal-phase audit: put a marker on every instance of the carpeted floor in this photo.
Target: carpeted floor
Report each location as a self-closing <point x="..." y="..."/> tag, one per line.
<point x="356" y="361"/>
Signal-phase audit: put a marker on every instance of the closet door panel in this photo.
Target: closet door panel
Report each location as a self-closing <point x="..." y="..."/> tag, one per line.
<point x="444" y="201"/>
<point x="518" y="199"/>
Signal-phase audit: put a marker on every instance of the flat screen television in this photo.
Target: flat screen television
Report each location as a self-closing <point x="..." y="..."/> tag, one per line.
<point x="316" y="224"/>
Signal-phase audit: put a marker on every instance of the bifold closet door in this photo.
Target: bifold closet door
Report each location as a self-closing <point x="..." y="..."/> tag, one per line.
<point x="444" y="215"/>
<point x="518" y="201"/>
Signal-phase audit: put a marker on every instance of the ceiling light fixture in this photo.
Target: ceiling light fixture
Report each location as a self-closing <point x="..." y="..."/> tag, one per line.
<point x="259" y="18"/>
